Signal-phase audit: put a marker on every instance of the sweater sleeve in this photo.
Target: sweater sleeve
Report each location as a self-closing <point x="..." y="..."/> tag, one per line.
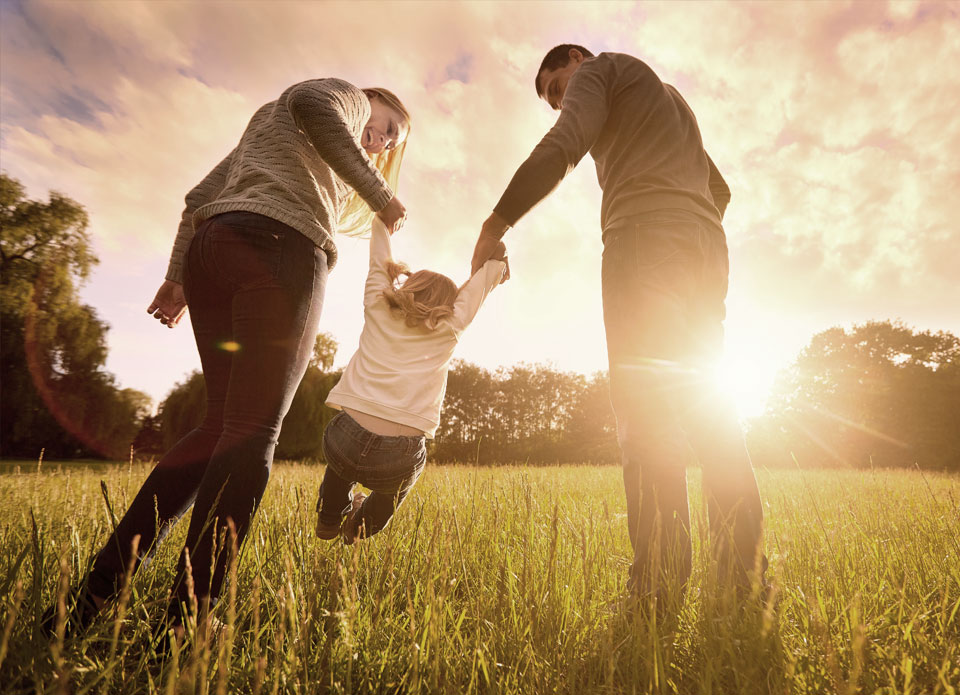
<point x="474" y="292"/>
<point x="204" y="192"/>
<point x="718" y="188"/>
<point x="332" y="114"/>
<point x="582" y="117"/>
<point x="380" y="254"/>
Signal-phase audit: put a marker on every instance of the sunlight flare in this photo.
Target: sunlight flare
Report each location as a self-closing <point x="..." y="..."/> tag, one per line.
<point x="747" y="380"/>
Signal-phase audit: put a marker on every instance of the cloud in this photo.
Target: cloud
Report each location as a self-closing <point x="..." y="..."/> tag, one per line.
<point x="134" y="165"/>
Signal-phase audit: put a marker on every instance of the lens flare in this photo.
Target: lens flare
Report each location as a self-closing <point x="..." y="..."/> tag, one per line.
<point x="229" y="346"/>
<point x="57" y="398"/>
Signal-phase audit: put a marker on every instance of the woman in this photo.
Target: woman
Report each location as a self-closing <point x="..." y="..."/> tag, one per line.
<point x="251" y="259"/>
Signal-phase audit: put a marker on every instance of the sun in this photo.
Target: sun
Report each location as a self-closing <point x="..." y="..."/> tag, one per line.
<point x="747" y="377"/>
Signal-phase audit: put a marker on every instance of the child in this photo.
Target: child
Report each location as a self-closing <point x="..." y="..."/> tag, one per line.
<point x="391" y="392"/>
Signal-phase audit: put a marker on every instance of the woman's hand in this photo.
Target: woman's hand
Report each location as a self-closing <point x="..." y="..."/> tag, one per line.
<point x="393" y="215"/>
<point x="169" y="305"/>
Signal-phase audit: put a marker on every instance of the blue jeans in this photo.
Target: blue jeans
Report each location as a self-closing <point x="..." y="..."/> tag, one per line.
<point x="664" y="284"/>
<point x="255" y="288"/>
<point x="389" y="466"/>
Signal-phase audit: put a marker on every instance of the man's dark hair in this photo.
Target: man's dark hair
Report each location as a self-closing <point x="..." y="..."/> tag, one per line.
<point x="558" y="57"/>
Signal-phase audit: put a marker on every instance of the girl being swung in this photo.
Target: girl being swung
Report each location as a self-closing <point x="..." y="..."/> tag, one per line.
<point x="391" y="392"/>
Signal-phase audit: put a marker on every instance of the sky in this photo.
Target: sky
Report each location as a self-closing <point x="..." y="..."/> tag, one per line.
<point x="834" y="123"/>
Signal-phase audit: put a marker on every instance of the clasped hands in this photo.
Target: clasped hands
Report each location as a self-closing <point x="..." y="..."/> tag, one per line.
<point x="490" y="245"/>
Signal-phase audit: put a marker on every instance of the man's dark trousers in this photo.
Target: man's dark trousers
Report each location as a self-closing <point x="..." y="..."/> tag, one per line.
<point x="664" y="283"/>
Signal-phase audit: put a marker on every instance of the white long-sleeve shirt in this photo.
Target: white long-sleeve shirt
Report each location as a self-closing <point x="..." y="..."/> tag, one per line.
<point x="399" y="373"/>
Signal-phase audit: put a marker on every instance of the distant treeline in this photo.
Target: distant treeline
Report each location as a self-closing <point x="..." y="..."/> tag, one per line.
<point x="527" y="413"/>
<point x="880" y="394"/>
<point x="877" y="395"/>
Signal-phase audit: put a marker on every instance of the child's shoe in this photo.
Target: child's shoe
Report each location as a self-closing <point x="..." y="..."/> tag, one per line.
<point x="352" y="526"/>
<point x="327" y="532"/>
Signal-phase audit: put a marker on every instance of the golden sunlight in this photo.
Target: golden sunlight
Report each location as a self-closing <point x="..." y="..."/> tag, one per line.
<point x="748" y="378"/>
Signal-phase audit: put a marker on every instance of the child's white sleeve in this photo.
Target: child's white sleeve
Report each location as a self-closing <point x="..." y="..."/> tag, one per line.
<point x="380" y="254"/>
<point x="473" y="294"/>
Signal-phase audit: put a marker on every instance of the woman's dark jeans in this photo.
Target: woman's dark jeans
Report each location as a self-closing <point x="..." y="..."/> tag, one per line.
<point x="255" y="288"/>
<point x="389" y="466"/>
<point x="664" y="285"/>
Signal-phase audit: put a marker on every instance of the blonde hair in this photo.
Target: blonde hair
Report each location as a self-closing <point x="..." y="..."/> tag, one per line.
<point x="425" y="298"/>
<point x="356" y="217"/>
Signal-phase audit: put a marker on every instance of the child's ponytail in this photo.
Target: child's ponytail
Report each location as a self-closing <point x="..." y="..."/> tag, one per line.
<point x="395" y="270"/>
<point x="425" y="298"/>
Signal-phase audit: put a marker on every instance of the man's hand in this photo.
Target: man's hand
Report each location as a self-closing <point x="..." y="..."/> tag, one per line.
<point x="169" y="305"/>
<point x="393" y="215"/>
<point x="500" y="254"/>
<point x="490" y="234"/>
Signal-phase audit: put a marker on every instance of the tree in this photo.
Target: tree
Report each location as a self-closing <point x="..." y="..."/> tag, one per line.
<point x="56" y="395"/>
<point x="466" y="428"/>
<point x="324" y="351"/>
<point x="592" y="428"/>
<point x="149" y="440"/>
<point x="535" y="406"/>
<point x="881" y="394"/>
<point x="301" y="436"/>
<point x="530" y="413"/>
<point x="183" y="409"/>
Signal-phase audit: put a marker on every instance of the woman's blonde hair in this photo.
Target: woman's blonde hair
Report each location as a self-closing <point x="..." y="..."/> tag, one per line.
<point x="425" y="298"/>
<point x="356" y="217"/>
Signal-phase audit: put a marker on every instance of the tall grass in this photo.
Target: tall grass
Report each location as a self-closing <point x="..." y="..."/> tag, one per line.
<point x="500" y="580"/>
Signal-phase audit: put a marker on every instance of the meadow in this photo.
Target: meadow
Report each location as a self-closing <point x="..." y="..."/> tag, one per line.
<point x="500" y="580"/>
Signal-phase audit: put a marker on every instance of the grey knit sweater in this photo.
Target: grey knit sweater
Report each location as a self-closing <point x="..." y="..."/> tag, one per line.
<point x="642" y="136"/>
<point x="297" y="162"/>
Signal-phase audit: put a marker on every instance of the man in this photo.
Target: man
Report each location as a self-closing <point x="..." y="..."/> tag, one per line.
<point x="664" y="279"/>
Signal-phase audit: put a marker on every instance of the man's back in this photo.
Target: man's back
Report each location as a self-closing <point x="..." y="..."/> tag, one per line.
<point x="649" y="154"/>
<point x="643" y="138"/>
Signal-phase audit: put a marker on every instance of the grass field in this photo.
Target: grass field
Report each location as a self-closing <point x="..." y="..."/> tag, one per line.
<point x="502" y="580"/>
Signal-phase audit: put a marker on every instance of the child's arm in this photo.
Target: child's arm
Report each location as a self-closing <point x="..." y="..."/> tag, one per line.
<point x="380" y="254"/>
<point x="475" y="291"/>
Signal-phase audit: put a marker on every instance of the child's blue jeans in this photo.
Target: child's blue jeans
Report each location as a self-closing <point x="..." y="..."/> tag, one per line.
<point x="389" y="466"/>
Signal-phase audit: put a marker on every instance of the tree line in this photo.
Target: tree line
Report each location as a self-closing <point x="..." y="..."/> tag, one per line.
<point x="524" y="413"/>
<point x="879" y="394"/>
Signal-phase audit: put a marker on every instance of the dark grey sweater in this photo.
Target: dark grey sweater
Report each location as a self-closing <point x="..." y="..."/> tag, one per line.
<point x="641" y="134"/>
